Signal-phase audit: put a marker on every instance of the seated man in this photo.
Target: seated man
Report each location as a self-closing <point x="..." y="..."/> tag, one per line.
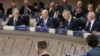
<point x="1" y="8"/>
<point x="92" y="24"/>
<point x="65" y="6"/>
<point x="26" y="9"/>
<point x="42" y="48"/>
<point x="69" y="22"/>
<point x="79" y="11"/>
<point x="38" y="5"/>
<point x="90" y="7"/>
<point x="9" y="10"/>
<point x="45" y="20"/>
<point x="15" y="20"/>
<point x="93" y="42"/>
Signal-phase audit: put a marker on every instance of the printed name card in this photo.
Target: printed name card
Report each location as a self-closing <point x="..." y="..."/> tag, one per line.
<point x="8" y="27"/>
<point x="78" y="33"/>
<point x="1" y="27"/>
<point x="23" y="28"/>
<point x="51" y="30"/>
<point x="41" y="29"/>
<point x="32" y="29"/>
<point x="61" y="31"/>
<point x="86" y="34"/>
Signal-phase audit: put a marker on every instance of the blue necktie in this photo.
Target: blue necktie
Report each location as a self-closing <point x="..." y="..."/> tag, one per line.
<point x="14" y="23"/>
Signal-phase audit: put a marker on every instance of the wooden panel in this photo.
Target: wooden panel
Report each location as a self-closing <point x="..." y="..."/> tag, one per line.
<point x="26" y="46"/>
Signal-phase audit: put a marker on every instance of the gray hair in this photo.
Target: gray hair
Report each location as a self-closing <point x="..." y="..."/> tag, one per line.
<point x="66" y="12"/>
<point x="92" y="13"/>
<point x="15" y="10"/>
<point x="44" y="11"/>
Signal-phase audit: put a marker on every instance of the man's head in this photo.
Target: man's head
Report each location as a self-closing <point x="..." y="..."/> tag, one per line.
<point x="15" y="12"/>
<point x="37" y="0"/>
<point x="13" y="5"/>
<point x="90" y="7"/>
<point x="79" y="4"/>
<point x="56" y="7"/>
<point x="64" y="2"/>
<point x="26" y="2"/>
<point x="66" y="14"/>
<point x="92" y="41"/>
<point x="51" y="5"/>
<point x="42" y="46"/>
<point x="91" y="16"/>
<point x="44" y="14"/>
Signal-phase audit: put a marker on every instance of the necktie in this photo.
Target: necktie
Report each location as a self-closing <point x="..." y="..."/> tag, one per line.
<point x="14" y="23"/>
<point x="89" y="26"/>
<point x="44" y="23"/>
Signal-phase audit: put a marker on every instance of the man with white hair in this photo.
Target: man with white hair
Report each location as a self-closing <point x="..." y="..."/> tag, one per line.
<point x="45" y="20"/>
<point x="69" y="22"/>
<point x="15" y="20"/>
<point x="92" y="24"/>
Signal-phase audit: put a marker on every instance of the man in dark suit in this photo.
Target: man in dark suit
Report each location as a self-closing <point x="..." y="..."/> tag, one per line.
<point x="65" y="6"/>
<point x="1" y="10"/>
<point x="51" y="9"/>
<point x="26" y="9"/>
<point x="42" y="48"/>
<point x="16" y="20"/>
<point x="38" y="6"/>
<point x="9" y="10"/>
<point x="90" y="9"/>
<point x="79" y="11"/>
<point x="93" y="42"/>
<point x="45" y="21"/>
<point x="92" y="24"/>
<point x="69" y="22"/>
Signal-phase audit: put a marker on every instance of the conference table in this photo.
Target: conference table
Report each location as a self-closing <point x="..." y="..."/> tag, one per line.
<point x="23" y="43"/>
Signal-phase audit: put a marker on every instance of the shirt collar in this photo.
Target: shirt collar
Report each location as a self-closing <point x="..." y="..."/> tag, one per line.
<point x="92" y="21"/>
<point x="69" y="19"/>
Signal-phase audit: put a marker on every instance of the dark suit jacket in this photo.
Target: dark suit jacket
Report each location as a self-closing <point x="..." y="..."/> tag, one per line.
<point x="49" y="23"/>
<point x="9" y="11"/>
<point x="26" y="20"/>
<point x="51" y="13"/>
<point x="23" y="9"/>
<point x="68" y="7"/>
<point x="73" y="25"/>
<point x="1" y="8"/>
<point x="95" y="27"/>
<point x="81" y="14"/>
<point x="41" y="6"/>
<point x="18" y="23"/>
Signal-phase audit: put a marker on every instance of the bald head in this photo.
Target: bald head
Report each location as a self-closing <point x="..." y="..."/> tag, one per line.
<point x="44" y="14"/>
<point x="91" y="16"/>
<point x="79" y="3"/>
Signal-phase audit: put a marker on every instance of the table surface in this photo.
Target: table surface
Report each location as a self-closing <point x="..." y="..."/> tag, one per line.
<point x="74" y="39"/>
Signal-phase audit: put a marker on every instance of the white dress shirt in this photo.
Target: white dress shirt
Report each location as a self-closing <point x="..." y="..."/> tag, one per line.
<point x="45" y="21"/>
<point x="92" y="22"/>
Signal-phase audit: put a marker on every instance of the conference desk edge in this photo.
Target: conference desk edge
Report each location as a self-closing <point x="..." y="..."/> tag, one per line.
<point x="61" y="37"/>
